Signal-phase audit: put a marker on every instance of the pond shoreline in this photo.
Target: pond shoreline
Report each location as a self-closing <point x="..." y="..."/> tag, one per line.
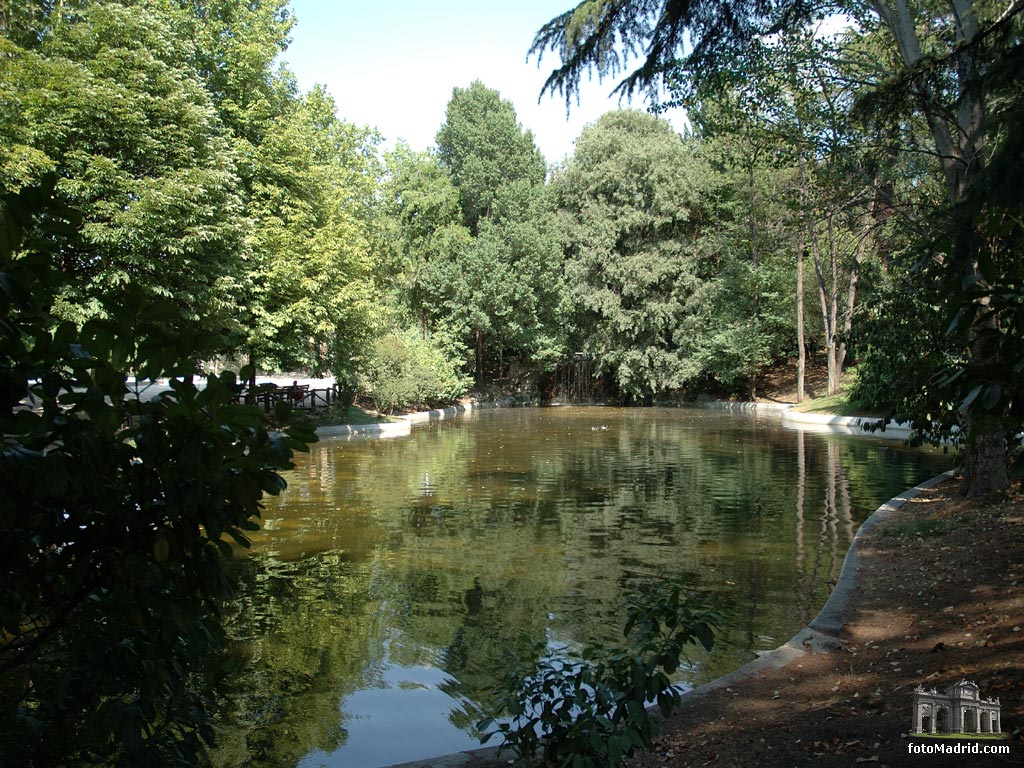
<point x="824" y="422"/>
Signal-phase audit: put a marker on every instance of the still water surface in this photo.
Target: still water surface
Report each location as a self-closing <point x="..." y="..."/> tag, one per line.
<point x="393" y="576"/>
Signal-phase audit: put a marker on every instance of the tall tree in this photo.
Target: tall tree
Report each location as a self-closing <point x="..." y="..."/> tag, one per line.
<point x="504" y="286"/>
<point x="424" y="232"/>
<point x="237" y="45"/>
<point x="752" y="323"/>
<point x="146" y="177"/>
<point x="790" y="109"/>
<point x="630" y="198"/>
<point x="308" y="281"/>
<point x="483" y="146"/>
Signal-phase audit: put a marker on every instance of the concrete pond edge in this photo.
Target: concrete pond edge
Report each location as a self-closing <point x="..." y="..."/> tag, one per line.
<point x="822" y="634"/>
<point x="854" y="425"/>
<point x="404" y="425"/>
<point x="824" y="422"/>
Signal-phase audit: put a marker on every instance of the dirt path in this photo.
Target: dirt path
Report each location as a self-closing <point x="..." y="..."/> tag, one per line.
<point x="939" y="598"/>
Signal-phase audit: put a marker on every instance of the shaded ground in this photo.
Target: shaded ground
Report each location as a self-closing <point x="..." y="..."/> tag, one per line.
<point x="940" y="597"/>
<point x="777" y="384"/>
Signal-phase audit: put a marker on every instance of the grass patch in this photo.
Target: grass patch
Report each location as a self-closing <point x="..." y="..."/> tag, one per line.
<point x="353" y="414"/>
<point x="838" y="404"/>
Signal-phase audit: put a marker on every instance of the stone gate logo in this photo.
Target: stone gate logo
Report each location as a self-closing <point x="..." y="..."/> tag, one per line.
<point x="959" y="710"/>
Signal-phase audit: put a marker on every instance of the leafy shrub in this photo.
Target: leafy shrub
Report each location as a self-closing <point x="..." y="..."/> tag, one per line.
<point x="591" y="710"/>
<point x="115" y="516"/>
<point x="406" y="371"/>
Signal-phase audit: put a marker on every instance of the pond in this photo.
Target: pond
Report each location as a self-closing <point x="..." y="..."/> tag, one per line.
<point x="392" y="578"/>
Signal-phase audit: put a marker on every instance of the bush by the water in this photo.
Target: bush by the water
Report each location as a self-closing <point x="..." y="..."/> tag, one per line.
<point x="405" y="371"/>
<point x="590" y="711"/>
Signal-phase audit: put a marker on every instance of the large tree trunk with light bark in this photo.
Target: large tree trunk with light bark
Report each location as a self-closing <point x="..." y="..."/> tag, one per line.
<point x="958" y="133"/>
<point x="801" y="360"/>
<point x="836" y="310"/>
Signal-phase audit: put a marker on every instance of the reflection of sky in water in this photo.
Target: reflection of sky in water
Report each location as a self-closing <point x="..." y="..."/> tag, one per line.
<point x="403" y="717"/>
<point x="392" y="577"/>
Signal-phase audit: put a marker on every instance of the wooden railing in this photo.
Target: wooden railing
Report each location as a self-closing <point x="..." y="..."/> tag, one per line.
<point x="300" y="396"/>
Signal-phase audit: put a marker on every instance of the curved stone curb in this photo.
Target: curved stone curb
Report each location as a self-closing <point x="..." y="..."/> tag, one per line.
<point x="384" y="429"/>
<point x="729" y="405"/>
<point x="824" y="422"/>
<point x="825" y="631"/>
<point x="850" y="424"/>
<point x="823" y="634"/>
<point x="403" y="427"/>
<point x="440" y="414"/>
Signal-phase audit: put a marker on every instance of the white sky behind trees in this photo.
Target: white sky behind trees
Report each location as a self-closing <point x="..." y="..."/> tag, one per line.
<point x="392" y="65"/>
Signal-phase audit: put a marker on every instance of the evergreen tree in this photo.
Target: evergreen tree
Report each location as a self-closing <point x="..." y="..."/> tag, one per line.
<point x="500" y="293"/>
<point x="630" y="198"/>
<point x="483" y="147"/>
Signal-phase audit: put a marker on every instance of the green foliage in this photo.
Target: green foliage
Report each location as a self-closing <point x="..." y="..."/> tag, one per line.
<point x="403" y="370"/>
<point x="630" y="203"/>
<point x="483" y="147"/>
<point x="109" y="99"/>
<point x="903" y="346"/>
<point x="115" y="518"/>
<point x="591" y="711"/>
<point x="933" y="89"/>
<point x="191" y="170"/>
<point x="307" y="282"/>
<point x="696" y="39"/>
<point x="237" y="45"/>
<point x="424" y="231"/>
<point x="496" y="282"/>
<point x="508" y="281"/>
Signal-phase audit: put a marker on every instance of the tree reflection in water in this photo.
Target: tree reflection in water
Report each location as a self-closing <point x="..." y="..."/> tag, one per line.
<point x="409" y="567"/>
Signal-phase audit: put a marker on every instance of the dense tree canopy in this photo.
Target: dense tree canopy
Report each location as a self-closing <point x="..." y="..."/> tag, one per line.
<point x="145" y="172"/>
<point x="936" y="65"/>
<point x="309" y="260"/>
<point x="499" y="293"/>
<point x="483" y="147"/>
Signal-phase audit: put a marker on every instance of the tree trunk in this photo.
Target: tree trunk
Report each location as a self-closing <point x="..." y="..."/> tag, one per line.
<point x="479" y="357"/>
<point x="801" y="360"/>
<point x="827" y="316"/>
<point x="838" y="356"/>
<point x="755" y="254"/>
<point x="985" y="464"/>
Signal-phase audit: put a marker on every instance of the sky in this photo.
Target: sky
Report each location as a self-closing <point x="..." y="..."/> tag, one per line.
<point x="393" y="65"/>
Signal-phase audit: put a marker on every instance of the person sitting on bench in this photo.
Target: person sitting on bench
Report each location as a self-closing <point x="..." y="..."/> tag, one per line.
<point x="297" y="393"/>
